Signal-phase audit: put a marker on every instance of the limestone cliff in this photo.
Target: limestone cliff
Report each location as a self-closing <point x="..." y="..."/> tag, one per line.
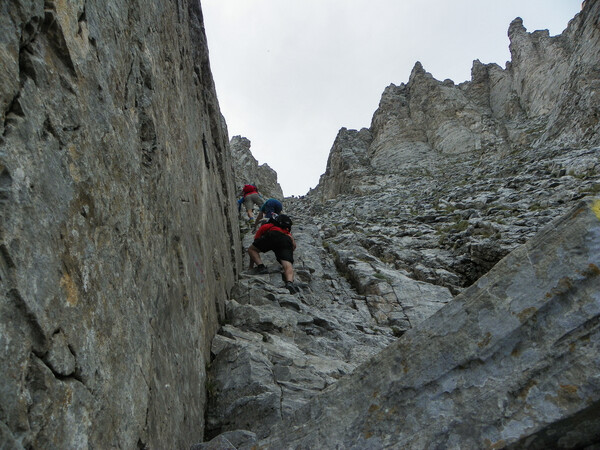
<point x="474" y="169"/>
<point x="119" y="239"/>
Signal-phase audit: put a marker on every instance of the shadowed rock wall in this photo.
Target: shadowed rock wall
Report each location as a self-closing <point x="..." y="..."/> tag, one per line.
<point x="118" y="233"/>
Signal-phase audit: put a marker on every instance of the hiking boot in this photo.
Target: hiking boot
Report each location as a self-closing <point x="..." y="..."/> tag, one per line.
<point x="261" y="269"/>
<point x="290" y="286"/>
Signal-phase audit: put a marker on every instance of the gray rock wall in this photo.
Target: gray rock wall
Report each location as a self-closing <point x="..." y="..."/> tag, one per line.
<point x="348" y="159"/>
<point x="450" y="178"/>
<point x="118" y="237"/>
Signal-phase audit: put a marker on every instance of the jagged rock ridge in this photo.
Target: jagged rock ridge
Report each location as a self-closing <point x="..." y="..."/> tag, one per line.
<point x="474" y="169"/>
<point x="545" y="98"/>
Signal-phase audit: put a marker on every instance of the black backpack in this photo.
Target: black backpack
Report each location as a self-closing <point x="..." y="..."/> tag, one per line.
<point x="282" y="221"/>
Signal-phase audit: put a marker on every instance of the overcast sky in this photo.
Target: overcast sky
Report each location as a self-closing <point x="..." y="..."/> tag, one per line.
<point x="290" y="73"/>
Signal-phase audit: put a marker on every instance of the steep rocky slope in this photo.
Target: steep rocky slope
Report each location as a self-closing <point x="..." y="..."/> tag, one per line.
<point x="510" y="363"/>
<point x="118" y="238"/>
<point x="468" y="190"/>
<point x="276" y="350"/>
<point x="432" y="310"/>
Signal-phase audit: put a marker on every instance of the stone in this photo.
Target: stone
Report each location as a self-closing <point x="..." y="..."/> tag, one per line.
<point x="218" y="443"/>
<point x="441" y="302"/>
<point x="311" y="339"/>
<point x="60" y="359"/>
<point x="241" y="380"/>
<point x="228" y="440"/>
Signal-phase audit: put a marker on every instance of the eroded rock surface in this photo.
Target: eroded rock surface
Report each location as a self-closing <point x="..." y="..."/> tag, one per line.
<point x="276" y="349"/>
<point x="118" y="238"/>
<point x="120" y="248"/>
<point x="450" y="178"/>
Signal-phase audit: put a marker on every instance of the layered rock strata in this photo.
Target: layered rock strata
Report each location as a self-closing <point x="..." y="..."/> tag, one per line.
<point x="119" y="238"/>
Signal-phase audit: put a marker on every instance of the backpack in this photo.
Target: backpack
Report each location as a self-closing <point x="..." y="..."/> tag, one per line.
<point x="282" y="221"/>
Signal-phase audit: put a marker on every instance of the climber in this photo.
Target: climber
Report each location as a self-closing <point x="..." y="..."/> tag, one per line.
<point x="271" y="208"/>
<point x="250" y="194"/>
<point x="276" y="236"/>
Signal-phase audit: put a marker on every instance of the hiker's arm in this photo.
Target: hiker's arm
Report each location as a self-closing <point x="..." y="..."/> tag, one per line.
<point x="293" y="241"/>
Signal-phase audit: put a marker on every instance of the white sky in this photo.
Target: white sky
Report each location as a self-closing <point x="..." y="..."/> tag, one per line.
<point x="290" y="73"/>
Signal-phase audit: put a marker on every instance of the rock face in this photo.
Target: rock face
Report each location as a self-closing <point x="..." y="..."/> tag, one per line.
<point x="436" y="228"/>
<point x="441" y="302"/>
<point x="546" y="98"/>
<point x="115" y="263"/>
<point x="247" y="170"/>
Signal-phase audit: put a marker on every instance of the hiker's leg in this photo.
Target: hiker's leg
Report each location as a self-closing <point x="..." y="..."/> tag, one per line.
<point x="249" y="204"/>
<point x="258" y="200"/>
<point x="254" y="255"/>
<point x="288" y="270"/>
